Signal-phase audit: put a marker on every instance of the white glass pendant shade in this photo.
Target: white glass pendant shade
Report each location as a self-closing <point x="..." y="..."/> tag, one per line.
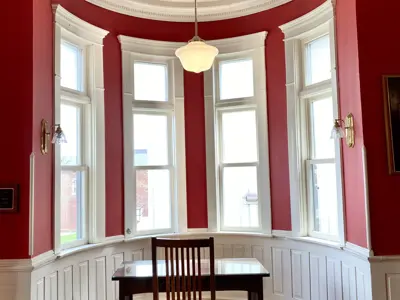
<point x="196" y="56"/>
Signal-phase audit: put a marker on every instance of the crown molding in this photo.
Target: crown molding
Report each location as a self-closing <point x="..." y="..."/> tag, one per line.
<point x="315" y="18"/>
<point x="77" y="26"/>
<point x="240" y="43"/>
<point x="148" y="47"/>
<point x="182" y="12"/>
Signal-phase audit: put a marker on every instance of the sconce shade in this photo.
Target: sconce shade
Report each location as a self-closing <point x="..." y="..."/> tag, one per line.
<point x="348" y="132"/>
<point x="337" y="133"/>
<point x="59" y="136"/>
<point x="196" y="56"/>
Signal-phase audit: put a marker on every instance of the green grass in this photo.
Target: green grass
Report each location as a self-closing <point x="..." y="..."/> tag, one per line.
<point x="68" y="238"/>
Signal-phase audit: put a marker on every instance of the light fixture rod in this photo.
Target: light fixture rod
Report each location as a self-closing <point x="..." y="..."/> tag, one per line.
<point x="196" y="30"/>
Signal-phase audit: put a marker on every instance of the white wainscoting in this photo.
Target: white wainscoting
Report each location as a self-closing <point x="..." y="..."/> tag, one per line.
<point x="299" y="270"/>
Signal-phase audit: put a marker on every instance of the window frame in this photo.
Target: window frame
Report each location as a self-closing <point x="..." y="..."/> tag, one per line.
<point x="89" y="38"/>
<point x="239" y="48"/>
<point x="318" y="23"/>
<point x="157" y="52"/>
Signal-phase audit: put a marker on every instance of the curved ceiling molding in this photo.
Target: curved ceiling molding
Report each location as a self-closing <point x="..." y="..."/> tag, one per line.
<point x="183" y="10"/>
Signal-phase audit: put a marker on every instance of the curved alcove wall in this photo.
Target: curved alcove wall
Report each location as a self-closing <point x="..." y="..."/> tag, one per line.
<point x="194" y="108"/>
<point x="299" y="269"/>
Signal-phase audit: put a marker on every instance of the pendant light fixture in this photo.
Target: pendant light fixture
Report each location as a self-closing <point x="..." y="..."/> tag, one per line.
<point x="196" y="56"/>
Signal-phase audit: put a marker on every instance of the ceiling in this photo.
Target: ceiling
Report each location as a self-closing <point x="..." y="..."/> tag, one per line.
<point x="183" y="10"/>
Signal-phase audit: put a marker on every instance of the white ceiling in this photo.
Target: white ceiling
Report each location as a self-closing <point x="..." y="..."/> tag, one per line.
<point x="183" y="10"/>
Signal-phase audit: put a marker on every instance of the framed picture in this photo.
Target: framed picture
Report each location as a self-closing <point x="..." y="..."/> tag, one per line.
<point x="391" y="87"/>
<point x="9" y="198"/>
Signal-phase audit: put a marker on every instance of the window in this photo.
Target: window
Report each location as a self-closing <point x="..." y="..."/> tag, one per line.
<point x="72" y="71"/>
<point x="74" y="199"/>
<point x="79" y="169"/>
<point x="314" y="158"/>
<point x="237" y="152"/>
<point x="153" y="127"/>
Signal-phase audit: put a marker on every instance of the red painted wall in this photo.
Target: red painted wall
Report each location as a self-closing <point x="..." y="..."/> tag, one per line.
<point x="379" y="55"/>
<point x="39" y="86"/>
<point x="196" y="185"/>
<point x="350" y="101"/>
<point x="16" y="120"/>
<point x="195" y="143"/>
<point x="42" y="109"/>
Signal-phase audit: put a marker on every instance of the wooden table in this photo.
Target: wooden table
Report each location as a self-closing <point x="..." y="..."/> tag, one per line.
<point x="231" y="274"/>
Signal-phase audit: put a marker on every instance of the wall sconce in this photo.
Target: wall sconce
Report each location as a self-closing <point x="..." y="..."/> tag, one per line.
<point x="58" y="137"/>
<point x="348" y="132"/>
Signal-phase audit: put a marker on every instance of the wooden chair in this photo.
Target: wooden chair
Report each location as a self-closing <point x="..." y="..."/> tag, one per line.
<point x="183" y="273"/>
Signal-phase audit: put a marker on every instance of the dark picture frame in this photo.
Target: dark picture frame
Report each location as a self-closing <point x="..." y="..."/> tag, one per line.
<point x="391" y="95"/>
<point x="9" y="198"/>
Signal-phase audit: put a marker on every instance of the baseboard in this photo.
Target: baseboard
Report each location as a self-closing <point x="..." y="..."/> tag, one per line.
<point x="43" y="259"/>
<point x="358" y="250"/>
<point x="281" y="233"/>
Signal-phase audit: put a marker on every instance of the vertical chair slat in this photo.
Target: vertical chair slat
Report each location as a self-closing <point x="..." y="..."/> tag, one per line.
<point x="167" y="279"/>
<point x="212" y="272"/>
<point x="194" y="273"/>
<point x="172" y="274"/>
<point x="184" y="288"/>
<point x="199" y="274"/>
<point x="188" y="270"/>
<point x="178" y="281"/>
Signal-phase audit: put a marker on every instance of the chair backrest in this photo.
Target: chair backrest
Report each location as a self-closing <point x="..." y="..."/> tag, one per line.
<point x="183" y="272"/>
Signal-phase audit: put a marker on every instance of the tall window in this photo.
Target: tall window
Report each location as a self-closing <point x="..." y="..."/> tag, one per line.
<point x="316" y="193"/>
<point x="237" y="152"/>
<point x="152" y="117"/>
<point x="79" y="109"/>
<point x="74" y="167"/>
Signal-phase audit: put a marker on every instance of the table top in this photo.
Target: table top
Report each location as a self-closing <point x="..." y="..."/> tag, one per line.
<point x="223" y="267"/>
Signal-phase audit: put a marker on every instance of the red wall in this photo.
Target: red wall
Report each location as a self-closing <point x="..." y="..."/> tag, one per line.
<point x="16" y="120"/>
<point x="379" y="55"/>
<point x="42" y="109"/>
<point x="350" y="101"/>
<point x="195" y="143"/>
<point x="194" y="108"/>
<point x="39" y="86"/>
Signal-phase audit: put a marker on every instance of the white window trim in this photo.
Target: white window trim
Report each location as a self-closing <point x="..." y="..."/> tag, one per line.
<point x="154" y="51"/>
<point x="70" y="27"/>
<point x="252" y="45"/>
<point x="316" y="23"/>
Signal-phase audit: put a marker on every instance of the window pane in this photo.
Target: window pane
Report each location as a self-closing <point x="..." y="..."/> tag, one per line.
<point x="150" y="81"/>
<point x="325" y="199"/>
<point x="240" y="197"/>
<point x="71" y="67"/>
<point x="70" y="117"/>
<point x="153" y="199"/>
<point x="150" y="139"/>
<point x="318" y="61"/>
<point x="322" y="122"/>
<point x="72" y="206"/>
<point x="239" y="136"/>
<point x="236" y="79"/>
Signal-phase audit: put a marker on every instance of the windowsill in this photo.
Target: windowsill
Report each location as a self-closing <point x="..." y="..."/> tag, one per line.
<point x="313" y="240"/>
<point x="305" y="239"/>
<point x="74" y="250"/>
